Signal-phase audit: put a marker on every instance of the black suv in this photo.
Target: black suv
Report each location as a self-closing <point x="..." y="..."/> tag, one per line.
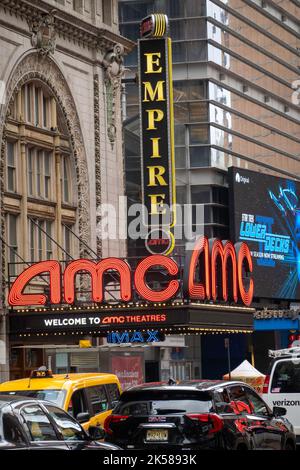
<point x="197" y="415"/>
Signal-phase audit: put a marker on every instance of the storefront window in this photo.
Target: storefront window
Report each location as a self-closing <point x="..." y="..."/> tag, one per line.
<point x="61" y="362"/>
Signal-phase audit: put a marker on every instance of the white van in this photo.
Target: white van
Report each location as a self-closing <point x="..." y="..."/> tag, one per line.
<point x="282" y="384"/>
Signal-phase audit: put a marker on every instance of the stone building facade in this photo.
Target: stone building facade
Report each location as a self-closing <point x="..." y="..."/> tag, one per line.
<point x="61" y="65"/>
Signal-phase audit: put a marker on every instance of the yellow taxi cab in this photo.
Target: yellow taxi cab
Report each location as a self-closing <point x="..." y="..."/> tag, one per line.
<point x="88" y="397"/>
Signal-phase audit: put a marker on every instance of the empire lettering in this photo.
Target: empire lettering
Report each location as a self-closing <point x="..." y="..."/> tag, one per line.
<point x="157" y="144"/>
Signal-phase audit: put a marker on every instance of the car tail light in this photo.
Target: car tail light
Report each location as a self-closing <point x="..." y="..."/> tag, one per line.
<point x="266" y="384"/>
<point x="292" y="338"/>
<point x="208" y="418"/>
<point x="113" y="419"/>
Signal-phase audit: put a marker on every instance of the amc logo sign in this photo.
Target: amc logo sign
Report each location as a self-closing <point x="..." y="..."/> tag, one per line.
<point x="213" y="270"/>
<point x="222" y="268"/>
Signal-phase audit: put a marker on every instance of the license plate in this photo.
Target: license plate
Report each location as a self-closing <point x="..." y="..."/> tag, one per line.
<point x="157" y="435"/>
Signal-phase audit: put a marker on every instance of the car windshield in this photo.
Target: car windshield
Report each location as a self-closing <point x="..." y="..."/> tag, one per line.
<point x="286" y="377"/>
<point x="160" y="403"/>
<point x="52" y="395"/>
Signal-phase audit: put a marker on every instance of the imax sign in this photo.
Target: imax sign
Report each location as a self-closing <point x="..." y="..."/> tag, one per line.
<point x="149" y="336"/>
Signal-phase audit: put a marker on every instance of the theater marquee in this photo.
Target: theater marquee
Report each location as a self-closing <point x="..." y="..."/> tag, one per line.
<point x="215" y="287"/>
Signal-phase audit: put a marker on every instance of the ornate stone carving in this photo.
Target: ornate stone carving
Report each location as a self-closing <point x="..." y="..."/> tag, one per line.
<point x="35" y="67"/>
<point x="43" y="33"/>
<point x="3" y="260"/>
<point x="97" y="162"/>
<point x="113" y="72"/>
<point x="66" y="25"/>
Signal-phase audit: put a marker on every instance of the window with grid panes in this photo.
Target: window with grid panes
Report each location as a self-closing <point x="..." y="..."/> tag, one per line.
<point x="34" y="106"/>
<point x="39" y="163"/>
<point x="65" y="178"/>
<point x="40" y="243"/>
<point x="12" y="241"/>
<point x="11" y="166"/>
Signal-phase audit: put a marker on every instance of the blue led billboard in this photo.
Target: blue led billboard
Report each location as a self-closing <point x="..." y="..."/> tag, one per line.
<point x="265" y="213"/>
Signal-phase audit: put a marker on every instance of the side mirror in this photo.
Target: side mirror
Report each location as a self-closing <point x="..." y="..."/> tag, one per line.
<point x="96" y="433"/>
<point x="83" y="417"/>
<point x="279" y="411"/>
<point x="114" y="404"/>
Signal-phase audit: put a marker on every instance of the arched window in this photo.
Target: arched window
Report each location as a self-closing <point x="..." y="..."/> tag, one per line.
<point x="40" y="196"/>
<point x="36" y="102"/>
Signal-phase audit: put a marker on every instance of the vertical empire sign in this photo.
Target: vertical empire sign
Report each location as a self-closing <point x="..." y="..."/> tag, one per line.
<point x="157" y="133"/>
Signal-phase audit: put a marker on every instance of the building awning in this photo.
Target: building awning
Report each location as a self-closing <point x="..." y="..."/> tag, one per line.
<point x="179" y="318"/>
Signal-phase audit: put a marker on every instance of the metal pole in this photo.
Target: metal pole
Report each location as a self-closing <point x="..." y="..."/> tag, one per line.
<point x="227" y="346"/>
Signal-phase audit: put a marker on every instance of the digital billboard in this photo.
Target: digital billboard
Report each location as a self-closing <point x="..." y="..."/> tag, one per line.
<point x="265" y="213"/>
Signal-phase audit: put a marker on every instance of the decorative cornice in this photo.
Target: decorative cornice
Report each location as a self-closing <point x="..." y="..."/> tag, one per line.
<point x="67" y="25"/>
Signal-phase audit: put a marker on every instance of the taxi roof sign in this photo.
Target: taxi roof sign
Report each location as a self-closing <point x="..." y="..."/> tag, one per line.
<point x="41" y="373"/>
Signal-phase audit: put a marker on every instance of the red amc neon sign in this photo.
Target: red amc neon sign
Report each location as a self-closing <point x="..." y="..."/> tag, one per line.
<point x="214" y="270"/>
